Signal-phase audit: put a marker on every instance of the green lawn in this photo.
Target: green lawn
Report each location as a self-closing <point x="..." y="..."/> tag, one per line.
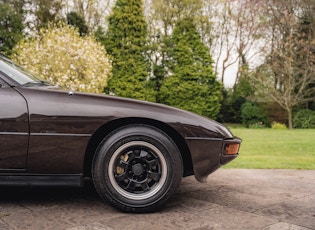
<point x="274" y="148"/>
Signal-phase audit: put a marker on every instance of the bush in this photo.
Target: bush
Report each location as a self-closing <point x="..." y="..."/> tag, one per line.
<point x="276" y="125"/>
<point x="258" y="125"/>
<point x="231" y="105"/>
<point x="59" y="55"/>
<point x="304" y="119"/>
<point x="252" y="115"/>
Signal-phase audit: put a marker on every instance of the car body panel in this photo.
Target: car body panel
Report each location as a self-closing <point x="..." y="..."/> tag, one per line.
<point x="14" y="128"/>
<point x="62" y="124"/>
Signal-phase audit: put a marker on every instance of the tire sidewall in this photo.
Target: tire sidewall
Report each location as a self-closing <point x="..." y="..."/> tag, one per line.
<point x="122" y="136"/>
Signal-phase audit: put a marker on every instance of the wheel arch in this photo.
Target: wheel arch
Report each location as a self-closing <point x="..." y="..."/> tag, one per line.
<point x="107" y="128"/>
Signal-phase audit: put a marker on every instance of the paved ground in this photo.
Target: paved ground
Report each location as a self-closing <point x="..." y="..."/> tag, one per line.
<point x="232" y="199"/>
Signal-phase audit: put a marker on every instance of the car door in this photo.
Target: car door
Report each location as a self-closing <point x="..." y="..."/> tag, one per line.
<point x="14" y="128"/>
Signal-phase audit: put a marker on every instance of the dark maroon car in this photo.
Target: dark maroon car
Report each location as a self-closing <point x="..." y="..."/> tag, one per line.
<point x="135" y="152"/>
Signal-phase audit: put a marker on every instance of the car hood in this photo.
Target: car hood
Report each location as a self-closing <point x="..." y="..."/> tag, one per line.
<point x="60" y="102"/>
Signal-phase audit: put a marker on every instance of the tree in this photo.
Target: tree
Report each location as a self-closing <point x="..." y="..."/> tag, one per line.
<point x="43" y="12"/>
<point x="126" y="43"/>
<point x="162" y="17"/>
<point x="11" y="27"/>
<point x="92" y="11"/>
<point x="192" y="83"/>
<point x="60" y="56"/>
<point x="168" y="12"/>
<point x="77" y="21"/>
<point x="289" y="71"/>
<point x="234" y="37"/>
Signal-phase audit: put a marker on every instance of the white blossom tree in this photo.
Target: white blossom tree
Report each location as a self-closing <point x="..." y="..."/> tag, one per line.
<point x="59" y="55"/>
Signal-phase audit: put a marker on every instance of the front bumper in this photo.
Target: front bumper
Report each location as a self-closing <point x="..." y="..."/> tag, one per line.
<point x="209" y="154"/>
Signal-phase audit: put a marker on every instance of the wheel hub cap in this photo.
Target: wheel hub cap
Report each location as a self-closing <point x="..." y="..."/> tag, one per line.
<point x="137" y="169"/>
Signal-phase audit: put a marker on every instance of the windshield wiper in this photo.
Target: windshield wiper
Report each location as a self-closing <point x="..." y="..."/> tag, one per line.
<point x="36" y="83"/>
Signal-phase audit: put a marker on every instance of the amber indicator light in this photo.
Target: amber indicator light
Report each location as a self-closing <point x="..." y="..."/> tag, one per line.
<point x="231" y="149"/>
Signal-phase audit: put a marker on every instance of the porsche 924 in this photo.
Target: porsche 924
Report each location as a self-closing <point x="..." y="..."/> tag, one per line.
<point x="135" y="152"/>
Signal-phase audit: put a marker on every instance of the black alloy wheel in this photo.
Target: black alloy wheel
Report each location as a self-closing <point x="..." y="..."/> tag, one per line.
<point x="137" y="168"/>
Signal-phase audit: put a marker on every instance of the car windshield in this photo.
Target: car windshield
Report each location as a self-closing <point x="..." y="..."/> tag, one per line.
<point x="18" y="74"/>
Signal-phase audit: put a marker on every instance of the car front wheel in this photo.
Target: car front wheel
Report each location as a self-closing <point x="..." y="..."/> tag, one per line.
<point x="137" y="168"/>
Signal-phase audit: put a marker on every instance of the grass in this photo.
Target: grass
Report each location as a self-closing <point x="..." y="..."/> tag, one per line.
<point x="275" y="149"/>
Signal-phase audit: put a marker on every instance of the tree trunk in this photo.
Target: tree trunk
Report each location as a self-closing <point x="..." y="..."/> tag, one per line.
<point x="290" y="118"/>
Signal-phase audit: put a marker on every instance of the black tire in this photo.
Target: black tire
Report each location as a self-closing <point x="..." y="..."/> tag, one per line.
<point x="137" y="168"/>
